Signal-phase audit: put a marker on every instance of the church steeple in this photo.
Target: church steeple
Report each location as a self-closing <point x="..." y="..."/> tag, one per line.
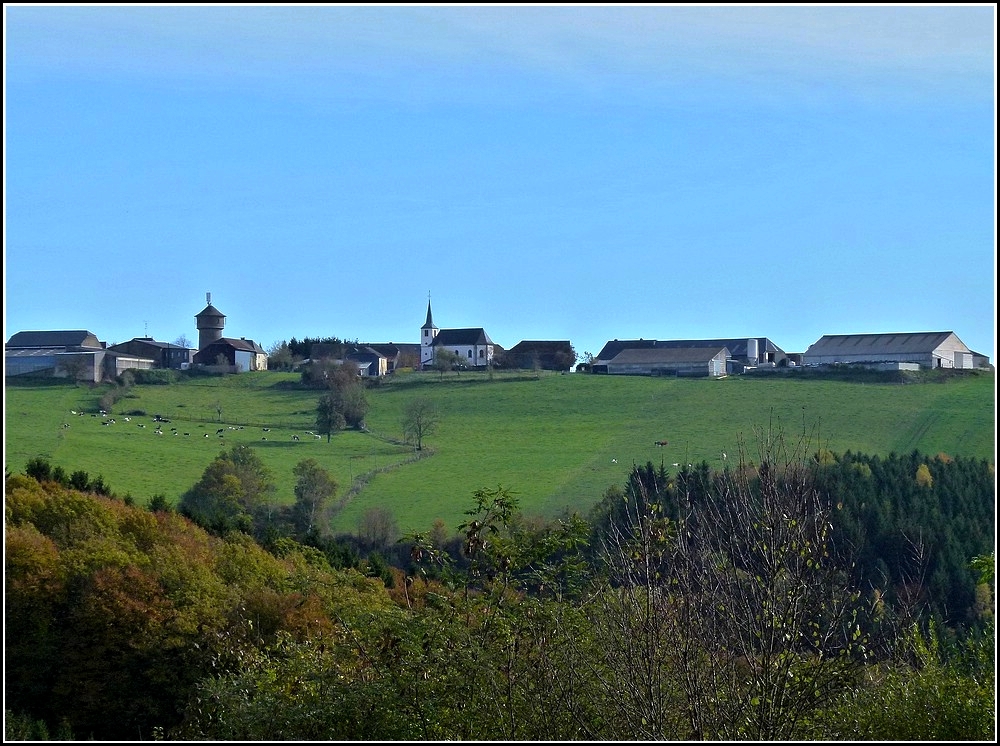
<point x="427" y="334"/>
<point x="429" y="324"/>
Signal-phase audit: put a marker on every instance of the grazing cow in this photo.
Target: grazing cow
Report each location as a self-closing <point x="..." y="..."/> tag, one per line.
<point x="206" y="435"/>
<point x="660" y="443"/>
<point x="264" y="438"/>
<point x="266" y="429"/>
<point x="220" y="431"/>
<point x="295" y="437"/>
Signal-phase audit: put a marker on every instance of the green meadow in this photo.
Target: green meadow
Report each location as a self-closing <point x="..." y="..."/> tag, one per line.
<point x="556" y="441"/>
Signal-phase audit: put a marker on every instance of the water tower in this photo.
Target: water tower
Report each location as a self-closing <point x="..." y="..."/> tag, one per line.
<point x="210" y="323"/>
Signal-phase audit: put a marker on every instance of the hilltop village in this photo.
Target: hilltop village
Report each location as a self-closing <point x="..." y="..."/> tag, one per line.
<point x="79" y="354"/>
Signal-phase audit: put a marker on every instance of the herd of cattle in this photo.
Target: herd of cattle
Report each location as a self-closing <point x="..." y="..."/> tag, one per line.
<point x="108" y="421"/>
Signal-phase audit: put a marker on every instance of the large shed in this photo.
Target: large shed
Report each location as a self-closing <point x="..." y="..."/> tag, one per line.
<point x="743" y="352"/>
<point x="670" y="361"/>
<point x="926" y="349"/>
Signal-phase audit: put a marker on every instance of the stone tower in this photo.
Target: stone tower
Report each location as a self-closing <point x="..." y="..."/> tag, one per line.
<point x="210" y="323"/>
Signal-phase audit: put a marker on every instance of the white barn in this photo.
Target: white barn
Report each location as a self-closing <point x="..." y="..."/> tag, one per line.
<point x="926" y="349"/>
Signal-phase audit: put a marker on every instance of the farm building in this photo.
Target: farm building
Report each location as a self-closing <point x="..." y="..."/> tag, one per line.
<point x="742" y="352"/>
<point x="236" y="355"/>
<point x="670" y="361"/>
<point x="210" y="322"/>
<point x="473" y="345"/>
<point x="224" y="354"/>
<point x="164" y="354"/>
<point x="74" y="354"/>
<point x="370" y="361"/>
<point x="548" y="355"/>
<point x="923" y="349"/>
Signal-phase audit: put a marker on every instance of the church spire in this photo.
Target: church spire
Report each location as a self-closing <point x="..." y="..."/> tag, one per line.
<point x="427" y="334"/>
<point x="429" y="324"/>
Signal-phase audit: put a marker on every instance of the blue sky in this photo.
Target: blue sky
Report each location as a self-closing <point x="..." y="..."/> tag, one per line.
<point x="545" y="172"/>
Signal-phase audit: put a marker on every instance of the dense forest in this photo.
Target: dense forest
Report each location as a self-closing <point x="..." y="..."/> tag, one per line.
<point x="828" y="596"/>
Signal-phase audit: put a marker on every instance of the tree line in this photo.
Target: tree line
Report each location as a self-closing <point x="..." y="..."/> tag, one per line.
<point x="746" y="603"/>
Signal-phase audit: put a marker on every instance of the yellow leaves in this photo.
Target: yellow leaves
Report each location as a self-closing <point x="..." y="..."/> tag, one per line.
<point x="923" y="476"/>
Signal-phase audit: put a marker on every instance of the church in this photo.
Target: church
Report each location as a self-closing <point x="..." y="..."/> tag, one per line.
<point x="473" y="345"/>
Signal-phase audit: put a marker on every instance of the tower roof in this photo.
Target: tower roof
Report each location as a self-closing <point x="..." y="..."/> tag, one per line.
<point x="210" y="311"/>
<point x="429" y="324"/>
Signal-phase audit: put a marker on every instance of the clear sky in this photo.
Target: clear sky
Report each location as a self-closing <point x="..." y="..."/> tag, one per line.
<point x="545" y="172"/>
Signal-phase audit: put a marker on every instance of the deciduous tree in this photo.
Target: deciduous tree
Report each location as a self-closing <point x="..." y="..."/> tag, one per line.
<point x="420" y="417"/>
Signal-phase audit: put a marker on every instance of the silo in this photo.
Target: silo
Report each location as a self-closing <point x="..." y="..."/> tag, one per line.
<point x="752" y="350"/>
<point x="210" y="323"/>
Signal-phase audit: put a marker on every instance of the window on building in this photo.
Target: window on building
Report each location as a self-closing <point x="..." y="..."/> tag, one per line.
<point x="470" y="353"/>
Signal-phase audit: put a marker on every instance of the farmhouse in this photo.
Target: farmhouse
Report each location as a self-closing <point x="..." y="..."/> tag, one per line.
<point x="472" y="345"/>
<point x="913" y="349"/>
<point x="742" y="353"/>
<point x="76" y="354"/>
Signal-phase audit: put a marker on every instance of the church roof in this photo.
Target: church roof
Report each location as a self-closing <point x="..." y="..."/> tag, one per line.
<point x="475" y="336"/>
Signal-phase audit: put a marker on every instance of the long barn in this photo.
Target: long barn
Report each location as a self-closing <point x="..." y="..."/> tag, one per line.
<point x="926" y="349"/>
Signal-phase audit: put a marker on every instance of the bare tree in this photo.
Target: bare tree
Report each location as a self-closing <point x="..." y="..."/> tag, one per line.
<point x="377" y="527"/>
<point x="420" y="417"/>
<point x="737" y="612"/>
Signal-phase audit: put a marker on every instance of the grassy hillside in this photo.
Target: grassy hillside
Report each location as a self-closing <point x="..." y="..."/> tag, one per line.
<point x="557" y="441"/>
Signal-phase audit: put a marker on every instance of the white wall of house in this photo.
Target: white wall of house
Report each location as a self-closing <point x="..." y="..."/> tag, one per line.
<point x="244" y="361"/>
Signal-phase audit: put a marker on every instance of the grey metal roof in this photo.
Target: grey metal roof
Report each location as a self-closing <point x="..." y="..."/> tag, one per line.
<point x="69" y="338"/>
<point x="666" y="355"/>
<point x="737" y="346"/>
<point x="151" y="343"/>
<point x="870" y="344"/>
